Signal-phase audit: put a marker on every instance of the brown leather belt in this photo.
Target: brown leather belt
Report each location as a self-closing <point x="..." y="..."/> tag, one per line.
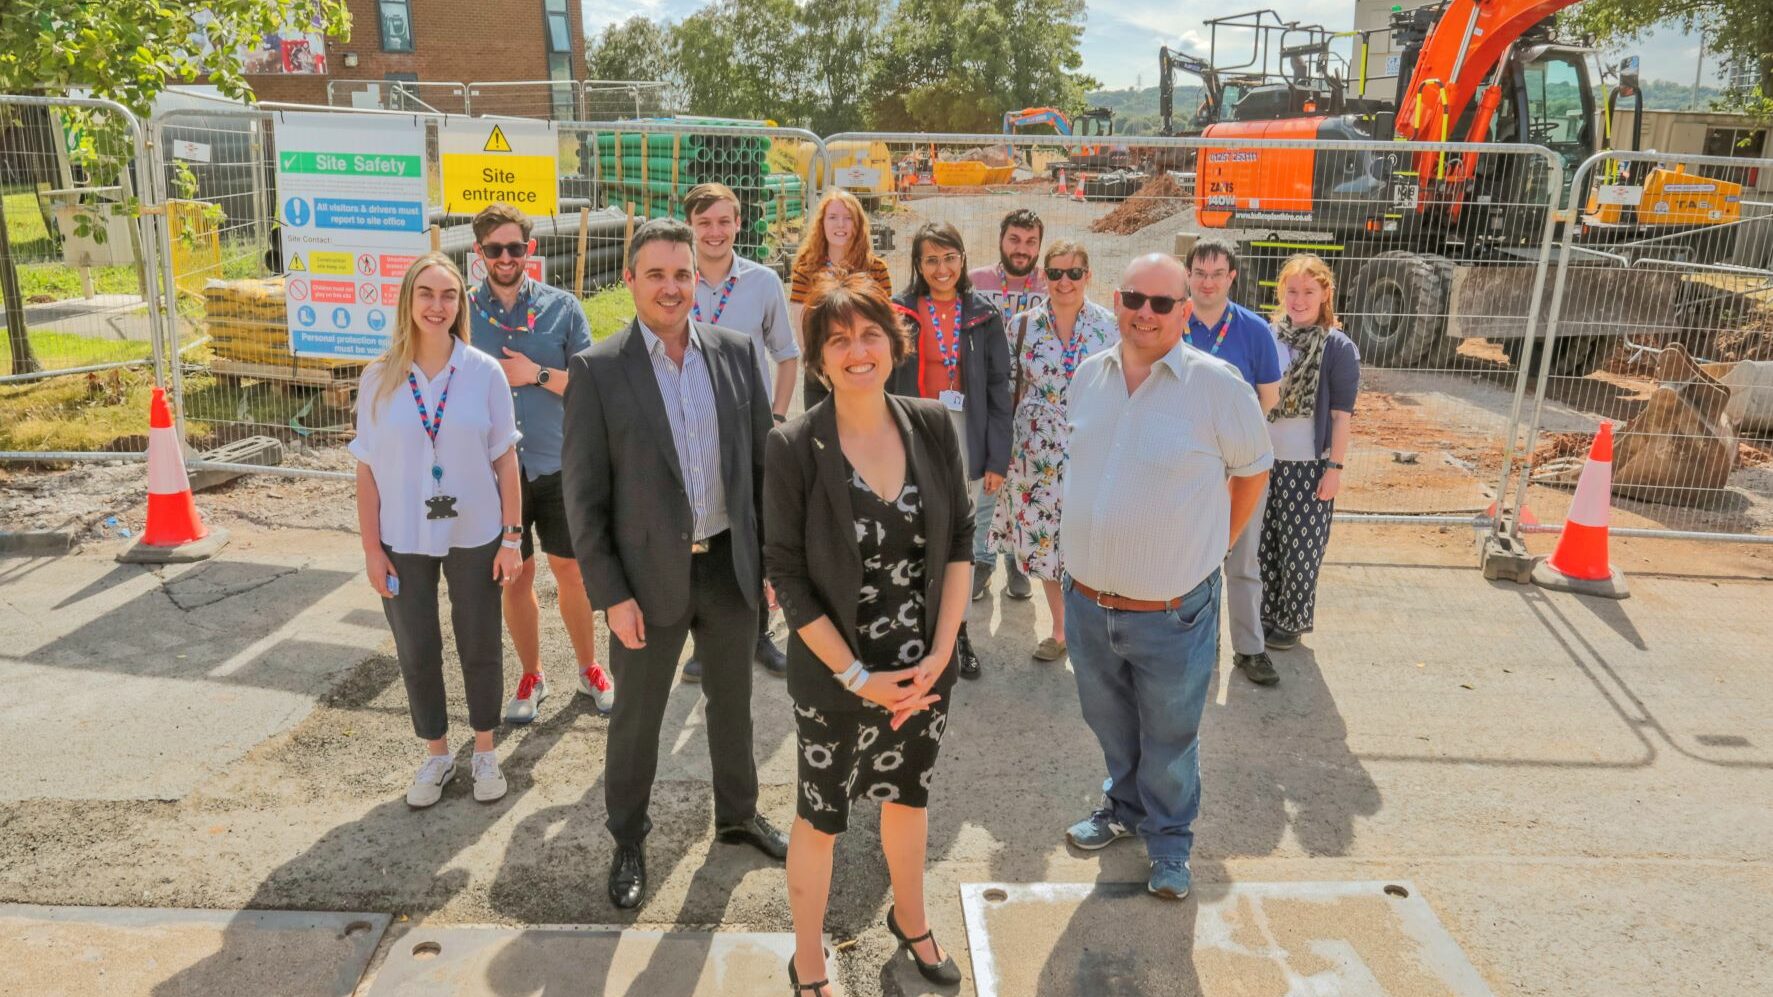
<point x="1108" y="600"/>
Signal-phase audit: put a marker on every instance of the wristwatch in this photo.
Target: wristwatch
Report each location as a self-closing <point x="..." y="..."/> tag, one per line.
<point x="513" y="531"/>
<point x="778" y="417"/>
<point x="542" y="375"/>
<point x="1333" y="465"/>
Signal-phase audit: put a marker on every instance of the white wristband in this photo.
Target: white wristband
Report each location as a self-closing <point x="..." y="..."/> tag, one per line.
<point x="855" y="685"/>
<point x="848" y="675"/>
<point x="511" y="544"/>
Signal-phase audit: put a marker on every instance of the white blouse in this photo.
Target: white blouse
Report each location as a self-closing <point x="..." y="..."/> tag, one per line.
<point x="479" y="426"/>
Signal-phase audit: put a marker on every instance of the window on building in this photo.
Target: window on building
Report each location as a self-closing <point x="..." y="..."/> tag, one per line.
<point x="560" y="35"/>
<point x="396" y="18"/>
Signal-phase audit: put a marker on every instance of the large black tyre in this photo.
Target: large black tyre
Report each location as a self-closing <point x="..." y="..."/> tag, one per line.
<point x="1571" y="356"/>
<point x="1397" y="308"/>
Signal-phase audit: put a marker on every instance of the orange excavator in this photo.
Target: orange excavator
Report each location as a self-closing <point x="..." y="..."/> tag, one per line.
<point x="1432" y="248"/>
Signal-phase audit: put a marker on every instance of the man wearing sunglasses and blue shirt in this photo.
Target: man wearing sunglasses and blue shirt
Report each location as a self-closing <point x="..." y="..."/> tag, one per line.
<point x="1222" y="328"/>
<point x="1158" y="429"/>
<point x="531" y="329"/>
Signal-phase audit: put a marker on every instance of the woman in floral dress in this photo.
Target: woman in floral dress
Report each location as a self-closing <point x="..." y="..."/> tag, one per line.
<point x="1047" y="343"/>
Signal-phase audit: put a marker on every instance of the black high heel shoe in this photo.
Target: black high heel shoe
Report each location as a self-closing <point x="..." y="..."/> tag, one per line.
<point x="945" y="972"/>
<point x="816" y="988"/>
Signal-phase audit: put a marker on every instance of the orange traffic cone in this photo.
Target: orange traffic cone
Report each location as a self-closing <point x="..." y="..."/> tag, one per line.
<point x="1580" y="564"/>
<point x="1062" y="190"/>
<point x="1078" y="194"/>
<point x="175" y="532"/>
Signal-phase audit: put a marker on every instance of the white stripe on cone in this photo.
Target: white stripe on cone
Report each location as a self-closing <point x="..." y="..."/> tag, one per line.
<point x="166" y="465"/>
<point x="1591" y="506"/>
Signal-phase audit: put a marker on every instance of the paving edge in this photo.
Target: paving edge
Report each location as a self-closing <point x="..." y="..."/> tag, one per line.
<point x="38" y="543"/>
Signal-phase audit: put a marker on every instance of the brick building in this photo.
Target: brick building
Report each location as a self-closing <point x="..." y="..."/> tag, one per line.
<point x="446" y="41"/>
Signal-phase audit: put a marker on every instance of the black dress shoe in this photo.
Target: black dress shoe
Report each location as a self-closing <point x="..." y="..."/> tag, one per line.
<point x="756" y="832"/>
<point x="770" y="656"/>
<point x="944" y="973"/>
<point x="627" y="877"/>
<point x="965" y="657"/>
<point x="1280" y="640"/>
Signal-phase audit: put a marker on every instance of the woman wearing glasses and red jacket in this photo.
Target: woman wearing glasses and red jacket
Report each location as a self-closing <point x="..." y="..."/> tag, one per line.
<point x="960" y="357"/>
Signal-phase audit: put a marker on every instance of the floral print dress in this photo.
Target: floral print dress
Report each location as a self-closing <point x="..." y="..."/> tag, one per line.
<point x="1026" y="526"/>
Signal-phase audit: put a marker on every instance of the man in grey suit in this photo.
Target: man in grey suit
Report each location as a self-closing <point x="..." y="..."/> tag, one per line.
<point x="663" y="473"/>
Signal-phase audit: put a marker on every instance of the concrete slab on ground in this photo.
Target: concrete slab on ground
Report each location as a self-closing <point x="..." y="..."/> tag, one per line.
<point x="137" y="682"/>
<point x="129" y="951"/>
<point x="591" y="961"/>
<point x="1353" y="939"/>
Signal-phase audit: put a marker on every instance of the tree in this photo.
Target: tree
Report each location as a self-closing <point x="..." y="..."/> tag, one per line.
<point x="1742" y="31"/>
<point x="635" y="49"/>
<point x="957" y="65"/>
<point x="840" y="38"/>
<point x="128" y="52"/>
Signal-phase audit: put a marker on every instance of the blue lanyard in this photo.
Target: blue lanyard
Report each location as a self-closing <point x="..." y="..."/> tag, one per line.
<point x="726" y="293"/>
<point x="950" y="360"/>
<point x="1219" y="339"/>
<point x="1070" y="352"/>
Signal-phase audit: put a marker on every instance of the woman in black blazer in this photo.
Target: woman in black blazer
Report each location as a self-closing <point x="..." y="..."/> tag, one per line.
<point x="868" y="542"/>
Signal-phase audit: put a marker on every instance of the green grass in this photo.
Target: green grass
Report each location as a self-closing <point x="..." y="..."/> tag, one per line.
<point x="608" y="310"/>
<point x="61" y="350"/>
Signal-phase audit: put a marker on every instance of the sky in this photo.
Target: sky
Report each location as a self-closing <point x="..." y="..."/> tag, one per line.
<point x="1121" y="38"/>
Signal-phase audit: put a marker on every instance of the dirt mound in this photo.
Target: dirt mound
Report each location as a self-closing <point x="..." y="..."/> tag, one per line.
<point x="1160" y="198"/>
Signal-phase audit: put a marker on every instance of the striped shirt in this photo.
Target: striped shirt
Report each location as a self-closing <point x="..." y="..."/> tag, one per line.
<point x="688" y="393"/>
<point x="1145" y="512"/>
<point x="803" y="279"/>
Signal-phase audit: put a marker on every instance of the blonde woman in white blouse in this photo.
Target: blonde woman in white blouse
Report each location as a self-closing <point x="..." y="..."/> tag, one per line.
<point x="438" y="493"/>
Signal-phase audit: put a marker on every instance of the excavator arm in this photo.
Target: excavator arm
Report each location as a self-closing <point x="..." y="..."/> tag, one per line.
<point x="1456" y="58"/>
<point x="1168" y="64"/>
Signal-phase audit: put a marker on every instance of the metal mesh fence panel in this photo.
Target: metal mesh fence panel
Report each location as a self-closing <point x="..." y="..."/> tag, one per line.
<point x="77" y="276"/>
<point x="1439" y="255"/>
<point x="241" y="377"/>
<point x="616" y="100"/>
<point x="554" y="100"/>
<point x="1662" y="325"/>
<point x="398" y="95"/>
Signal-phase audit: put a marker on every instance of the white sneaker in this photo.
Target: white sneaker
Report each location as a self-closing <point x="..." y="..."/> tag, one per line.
<point x="531" y="690"/>
<point x="489" y="782"/>
<point x="427" y="786"/>
<point x="595" y="682"/>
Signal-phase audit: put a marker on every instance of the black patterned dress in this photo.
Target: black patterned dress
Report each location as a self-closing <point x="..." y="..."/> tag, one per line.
<point x="855" y="753"/>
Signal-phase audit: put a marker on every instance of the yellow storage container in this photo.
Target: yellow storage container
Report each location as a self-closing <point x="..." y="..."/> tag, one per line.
<point x="961" y="174"/>
<point x="998" y="174"/>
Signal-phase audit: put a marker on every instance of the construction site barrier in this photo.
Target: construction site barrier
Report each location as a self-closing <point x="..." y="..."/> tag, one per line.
<point x="1664" y="285"/>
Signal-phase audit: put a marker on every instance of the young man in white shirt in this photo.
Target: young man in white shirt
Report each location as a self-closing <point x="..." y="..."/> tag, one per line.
<point x="745" y="296"/>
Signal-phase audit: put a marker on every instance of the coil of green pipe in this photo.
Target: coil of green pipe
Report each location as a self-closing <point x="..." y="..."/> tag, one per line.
<point x="656" y="145"/>
<point x="655" y="166"/>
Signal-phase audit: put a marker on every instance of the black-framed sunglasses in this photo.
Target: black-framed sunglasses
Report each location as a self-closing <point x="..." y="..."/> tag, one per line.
<point x="1074" y="273"/>
<point x="1161" y="304"/>
<point x="494" y="250"/>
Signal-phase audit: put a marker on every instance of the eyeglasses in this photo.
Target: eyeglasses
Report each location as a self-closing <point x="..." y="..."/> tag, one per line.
<point x="942" y="261"/>
<point x="1212" y="275"/>
<point x="1074" y="273"/>
<point x="494" y="250"/>
<point x="1161" y="304"/>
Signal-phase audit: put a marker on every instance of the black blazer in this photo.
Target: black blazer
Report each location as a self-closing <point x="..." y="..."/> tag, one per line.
<point x="626" y="503"/>
<point x="984" y="376"/>
<point x="810" y="548"/>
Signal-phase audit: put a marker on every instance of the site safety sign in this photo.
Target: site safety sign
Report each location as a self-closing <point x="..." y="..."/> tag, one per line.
<point x="351" y="203"/>
<point x="486" y="162"/>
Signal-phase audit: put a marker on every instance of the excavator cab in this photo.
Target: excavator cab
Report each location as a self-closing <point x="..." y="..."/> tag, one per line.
<point x="1554" y="103"/>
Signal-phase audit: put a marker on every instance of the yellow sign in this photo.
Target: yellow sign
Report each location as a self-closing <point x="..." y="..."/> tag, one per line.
<point x="329" y="263"/>
<point x="295" y="263"/>
<point x="512" y="162"/>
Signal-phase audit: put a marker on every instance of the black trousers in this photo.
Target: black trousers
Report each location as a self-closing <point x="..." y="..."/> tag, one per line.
<point x="725" y="628"/>
<point x="476" y="610"/>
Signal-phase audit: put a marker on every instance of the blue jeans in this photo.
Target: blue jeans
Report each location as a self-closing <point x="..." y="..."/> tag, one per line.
<point x="984" y="505"/>
<point x="1143" y="679"/>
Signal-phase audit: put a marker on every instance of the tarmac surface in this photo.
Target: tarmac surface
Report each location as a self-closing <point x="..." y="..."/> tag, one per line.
<point x="1576" y="789"/>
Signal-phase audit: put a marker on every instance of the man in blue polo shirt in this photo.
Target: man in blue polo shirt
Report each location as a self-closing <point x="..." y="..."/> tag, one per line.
<point x="531" y="329"/>
<point x="1241" y="338"/>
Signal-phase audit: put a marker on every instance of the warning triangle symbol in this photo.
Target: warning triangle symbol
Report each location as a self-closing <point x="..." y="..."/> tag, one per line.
<point x="496" y="141"/>
<point x="295" y="263"/>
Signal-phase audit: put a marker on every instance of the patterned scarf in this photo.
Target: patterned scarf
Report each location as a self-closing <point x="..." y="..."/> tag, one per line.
<point x="1298" y="388"/>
